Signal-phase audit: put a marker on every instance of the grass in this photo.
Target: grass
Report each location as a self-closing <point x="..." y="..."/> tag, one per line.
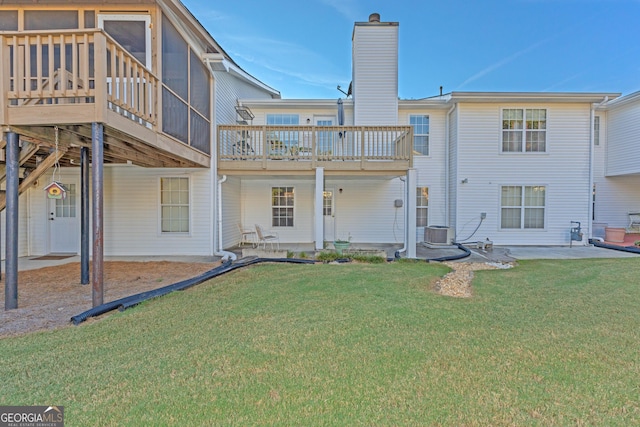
<point x="546" y="343"/>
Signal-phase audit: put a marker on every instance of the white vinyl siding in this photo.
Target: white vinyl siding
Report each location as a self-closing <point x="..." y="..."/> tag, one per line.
<point x="623" y="147"/>
<point x="563" y="170"/>
<point x="375" y="74"/>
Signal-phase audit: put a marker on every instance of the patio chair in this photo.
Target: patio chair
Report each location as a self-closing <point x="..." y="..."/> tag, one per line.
<point x="267" y="237"/>
<point x="247" y="236"/>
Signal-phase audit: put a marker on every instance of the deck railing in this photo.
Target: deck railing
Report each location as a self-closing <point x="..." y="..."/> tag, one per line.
<point x="313" y="144"/>
<point x="76" y="67"/>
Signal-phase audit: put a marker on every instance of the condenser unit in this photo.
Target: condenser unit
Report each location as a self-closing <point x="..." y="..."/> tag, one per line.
<point x="438" y="235"/>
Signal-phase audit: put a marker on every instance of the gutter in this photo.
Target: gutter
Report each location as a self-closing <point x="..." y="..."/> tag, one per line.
<point x="404" y="215"/>
<point x="447" y="144"/>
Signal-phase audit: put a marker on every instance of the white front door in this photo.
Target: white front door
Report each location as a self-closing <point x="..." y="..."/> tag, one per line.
<point x="64" y="222"/>
<point x="329" y="214"/>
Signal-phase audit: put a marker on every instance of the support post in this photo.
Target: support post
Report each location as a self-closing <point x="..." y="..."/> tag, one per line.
<point x="97" y="160"/>
<point x="84" y="215"/>
<point x="317" y="209"/>
<point x="11" y="245"/>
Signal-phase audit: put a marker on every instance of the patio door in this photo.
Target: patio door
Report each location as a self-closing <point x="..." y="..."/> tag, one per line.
<point x="324" y="140"/>
<point x="64" y="222"/>
<point x="329" y="214"/>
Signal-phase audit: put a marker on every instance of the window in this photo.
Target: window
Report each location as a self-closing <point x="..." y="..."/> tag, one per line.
<point x="522" y="207"/>
<point x="66" y="207"/>
<point x="280" y="142"/>
<point x="174" y="205"/>
<point x="524" y="130"/>
<point x="282" y="206"/>
<point x="420" y="134"/>
<point x="422" y="206"/>
<point x="596" y="130"/>
<point x="327" y="203"/>
<point x="283" y="119"/>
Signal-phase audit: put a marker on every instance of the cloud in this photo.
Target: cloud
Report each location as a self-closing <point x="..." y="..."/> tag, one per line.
<point x="504" y="62"/>
<point x="286" y="60"/>
<point x="346" y="8"/>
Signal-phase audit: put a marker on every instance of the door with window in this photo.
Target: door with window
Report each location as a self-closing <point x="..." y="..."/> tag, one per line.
<point x="329" y="214"/>
<point x="64" y="222"/>
<point x="324" y="139"/>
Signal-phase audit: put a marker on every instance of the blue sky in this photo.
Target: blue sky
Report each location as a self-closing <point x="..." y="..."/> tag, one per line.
<point x="303" y="47"/>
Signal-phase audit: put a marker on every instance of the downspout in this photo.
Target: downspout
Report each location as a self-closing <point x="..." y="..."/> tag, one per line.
<point x="404" y="215"/>
<point x="447" y="136"/>
<point x="591" y="163"/>
<point x="224" y="254"/>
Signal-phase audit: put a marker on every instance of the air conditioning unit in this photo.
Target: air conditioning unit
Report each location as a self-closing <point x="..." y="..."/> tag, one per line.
<point x="438" y="235"/>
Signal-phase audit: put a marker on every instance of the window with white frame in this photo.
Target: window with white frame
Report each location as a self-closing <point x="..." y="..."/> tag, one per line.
<point x="596" y="130"/>
<point x="522" y="206"/>
<point x="422" y="206"/>
<point x="420" y="125"/>
<point x="524" y="130"/>
<point x="281" y="141"/>
<point x="282" y="203"/>
<point x="174" y="205"/>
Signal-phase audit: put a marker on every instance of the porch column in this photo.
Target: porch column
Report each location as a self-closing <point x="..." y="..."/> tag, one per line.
<point x="11" y="244"/>
<point x="410" y="219"/>
<point x="97" y="160"/>
<point x="84" y="215"/>
<point x="317" y="209"/>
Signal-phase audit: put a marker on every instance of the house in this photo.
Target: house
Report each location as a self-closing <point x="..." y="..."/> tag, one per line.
<point x="184" y="145"/>
<point x="136" y="88"/>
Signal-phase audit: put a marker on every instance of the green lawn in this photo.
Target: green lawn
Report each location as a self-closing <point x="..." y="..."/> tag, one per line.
<point x="545" y="343"/>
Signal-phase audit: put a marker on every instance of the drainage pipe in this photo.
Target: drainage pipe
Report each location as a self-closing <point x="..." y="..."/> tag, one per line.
<point x="220" y="252"/>
<point x="133" y="300"/>
<point x="465" y="253"/>
<point x="630" y="249"/>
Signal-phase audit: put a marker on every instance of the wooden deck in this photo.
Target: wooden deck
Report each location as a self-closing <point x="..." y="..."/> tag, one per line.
<point x="89" y="79"/>
<point x="301" y="149"/>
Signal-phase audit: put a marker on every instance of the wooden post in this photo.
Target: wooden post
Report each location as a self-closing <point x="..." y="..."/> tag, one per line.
<point x="97" y="160"/>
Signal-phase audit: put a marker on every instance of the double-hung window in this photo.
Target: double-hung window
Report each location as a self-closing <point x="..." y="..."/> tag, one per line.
<point x="174" y="205"/>
<point x="420" y="125"/>
<point x="524" y="130"/>
<point x="282" y="199"/>
<point x="422" y="206"/>
<point x="522" y="206"/>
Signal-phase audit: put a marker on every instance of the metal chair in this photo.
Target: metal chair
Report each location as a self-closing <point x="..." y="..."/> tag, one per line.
<point x="247" y="236"/>
<point x="267" y="237"/>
